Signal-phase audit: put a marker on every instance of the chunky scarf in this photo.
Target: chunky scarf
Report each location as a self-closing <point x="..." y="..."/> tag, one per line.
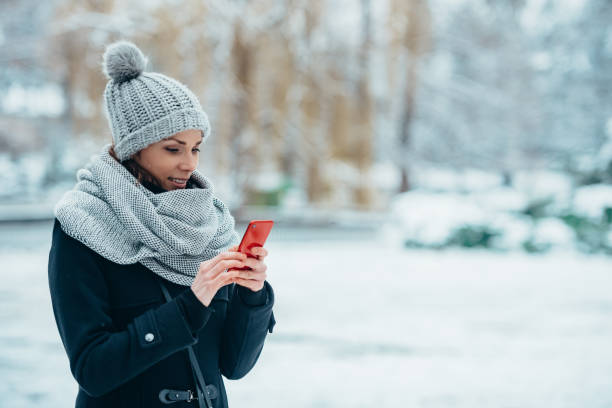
<point x="170" y="233"/>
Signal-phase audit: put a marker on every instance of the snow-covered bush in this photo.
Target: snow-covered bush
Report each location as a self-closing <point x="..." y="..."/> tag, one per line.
<point x="506" y="219"/>
<point x="471" y="236"/>
<point x="490" y="219"/>
<point x="516" y="230"/>
<point x="428" y="219"/>
<point x="549" y="233"/>
<point x="549" y="192"/>
<point x="593" y="202"/>
<point x="591" y="218"/>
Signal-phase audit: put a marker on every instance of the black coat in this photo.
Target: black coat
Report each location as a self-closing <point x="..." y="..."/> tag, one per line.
<point x="125" y="343"/>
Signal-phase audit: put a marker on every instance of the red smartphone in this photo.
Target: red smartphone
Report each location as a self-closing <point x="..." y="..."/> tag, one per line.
<point x="255" y="235"/>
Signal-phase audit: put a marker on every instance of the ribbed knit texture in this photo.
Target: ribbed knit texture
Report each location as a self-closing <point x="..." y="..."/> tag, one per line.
<point x="143" y="108"/>
<point x="170" y="233"/>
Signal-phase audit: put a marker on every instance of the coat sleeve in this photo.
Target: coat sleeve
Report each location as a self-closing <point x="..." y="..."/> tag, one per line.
<point x="249" y="318"/>
<point x="101" y="356"/>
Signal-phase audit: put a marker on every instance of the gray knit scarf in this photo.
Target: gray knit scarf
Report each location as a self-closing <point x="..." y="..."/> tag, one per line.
<point x="170" y="233"/>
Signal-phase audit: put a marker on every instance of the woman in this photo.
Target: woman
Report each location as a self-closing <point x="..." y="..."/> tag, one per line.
<point x="146" y="299"/>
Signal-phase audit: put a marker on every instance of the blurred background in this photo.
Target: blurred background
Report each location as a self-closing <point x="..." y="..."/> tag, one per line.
<point x="440" y="174"/>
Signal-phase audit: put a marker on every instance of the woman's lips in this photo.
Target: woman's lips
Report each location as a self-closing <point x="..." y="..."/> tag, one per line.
<point x="177" y="183"/>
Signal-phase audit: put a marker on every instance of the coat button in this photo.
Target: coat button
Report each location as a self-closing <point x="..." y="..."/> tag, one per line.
<point x="149" y="337"/>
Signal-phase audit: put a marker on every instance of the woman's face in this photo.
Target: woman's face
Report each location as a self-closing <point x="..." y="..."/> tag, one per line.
<point x="171" y="161"/>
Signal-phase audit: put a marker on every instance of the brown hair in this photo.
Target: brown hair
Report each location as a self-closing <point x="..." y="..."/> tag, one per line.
<point x="142" y="175"/>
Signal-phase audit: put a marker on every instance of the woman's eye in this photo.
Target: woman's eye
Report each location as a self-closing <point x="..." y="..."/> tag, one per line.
<point x="176" y="150"/>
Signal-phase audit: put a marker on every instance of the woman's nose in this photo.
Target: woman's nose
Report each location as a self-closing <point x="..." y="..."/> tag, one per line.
<point x="189" y="163"/>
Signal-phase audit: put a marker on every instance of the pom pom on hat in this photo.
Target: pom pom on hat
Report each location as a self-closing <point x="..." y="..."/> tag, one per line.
<point x="123" y="61"/>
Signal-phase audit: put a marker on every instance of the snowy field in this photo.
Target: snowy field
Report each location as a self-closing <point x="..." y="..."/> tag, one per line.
<point x="363" y="324"/>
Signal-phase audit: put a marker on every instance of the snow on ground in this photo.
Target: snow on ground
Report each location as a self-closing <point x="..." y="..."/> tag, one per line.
<point x="361" y="324"/>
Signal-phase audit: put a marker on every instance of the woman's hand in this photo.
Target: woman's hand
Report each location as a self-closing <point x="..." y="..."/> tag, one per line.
<point x="212" y="276"/>
<point x="254" y="278"/>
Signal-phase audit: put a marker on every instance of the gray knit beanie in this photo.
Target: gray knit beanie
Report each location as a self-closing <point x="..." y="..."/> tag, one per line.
<point x="145" y="107"/>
